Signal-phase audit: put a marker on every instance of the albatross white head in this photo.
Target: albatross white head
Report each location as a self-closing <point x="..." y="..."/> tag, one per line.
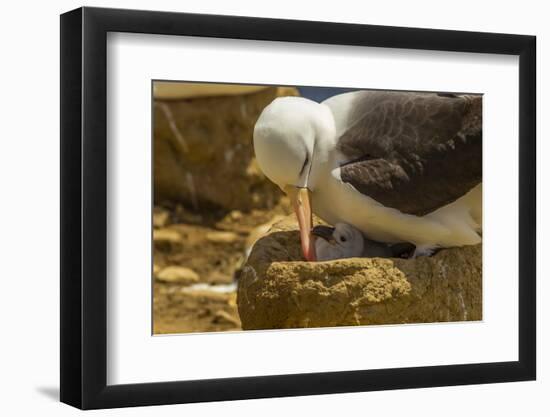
<point x="290" y="142"/>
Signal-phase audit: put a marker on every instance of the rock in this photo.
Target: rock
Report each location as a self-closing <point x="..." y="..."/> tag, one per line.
<point x="177" y="310"/>
<point x="278" y="290"/>
<point x="166" y="239"/>
<point x="178" y="90"/>
<point x="178" y="275"/>
<point x="260" y="231"/>
<point x="222" y="237"/>
<point x="222" y="316"/>
<point x="166" y="235"/>
<point x="160" y="217"/>
<point x="236" y="215"/>
<point x="203" y="153"/>
<point x="184" y="215"/>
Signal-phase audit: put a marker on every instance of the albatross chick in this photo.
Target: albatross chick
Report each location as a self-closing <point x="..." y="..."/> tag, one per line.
<point x="345" y="241"/>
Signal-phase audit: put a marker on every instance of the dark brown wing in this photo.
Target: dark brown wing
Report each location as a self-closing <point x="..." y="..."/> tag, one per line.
<point x="414" y="152"/>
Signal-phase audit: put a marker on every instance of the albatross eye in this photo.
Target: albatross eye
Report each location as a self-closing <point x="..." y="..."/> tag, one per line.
<point x="342" y="239"/>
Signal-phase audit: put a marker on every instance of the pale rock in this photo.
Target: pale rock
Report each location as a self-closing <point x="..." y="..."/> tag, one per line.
<point x="236" y="215"/>
<point x="160" y="217"/>
<point x="260" y="231"/>
<point x="178" y="275"/>
<point x="167" y="239"/>
<point x="222" y="237"/>
<point x="222" y="316"/>
<point x="166" y="235"/>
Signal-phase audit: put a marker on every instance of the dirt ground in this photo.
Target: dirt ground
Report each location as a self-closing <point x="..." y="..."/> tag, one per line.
<point x="196" y="257"/>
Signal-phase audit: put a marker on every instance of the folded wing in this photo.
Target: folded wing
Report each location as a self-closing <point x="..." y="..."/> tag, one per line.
<point x="414" y="152"/>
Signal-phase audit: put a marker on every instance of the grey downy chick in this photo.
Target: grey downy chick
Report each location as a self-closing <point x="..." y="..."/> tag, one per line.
<point x="345" y="241"/>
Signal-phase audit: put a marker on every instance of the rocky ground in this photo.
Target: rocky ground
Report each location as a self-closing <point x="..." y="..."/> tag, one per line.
<point x="196" y="260"/>
<point x="211" y="200"/>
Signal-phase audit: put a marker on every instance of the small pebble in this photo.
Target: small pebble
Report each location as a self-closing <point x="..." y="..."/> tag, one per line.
<point x="166" y="235"/>
<point x="160" y="217"/>
<point x="178" y="275"/>
<point x="222" y="316"/>
<point x="222" y="237"/>
<point x="236" y="215"/>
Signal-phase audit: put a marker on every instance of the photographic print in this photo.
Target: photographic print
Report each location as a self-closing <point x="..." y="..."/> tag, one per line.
<point x="282" y="207"/>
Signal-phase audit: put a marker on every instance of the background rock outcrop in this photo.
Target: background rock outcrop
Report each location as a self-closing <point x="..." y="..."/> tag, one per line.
<point x="203" y="153"/>
<point x="211" y="201"/>
<point x="277" y="289"/>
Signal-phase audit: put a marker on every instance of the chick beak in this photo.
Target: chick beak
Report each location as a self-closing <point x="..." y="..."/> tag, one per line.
<point x="324" y="232"/>
<point x="300" y="199"/>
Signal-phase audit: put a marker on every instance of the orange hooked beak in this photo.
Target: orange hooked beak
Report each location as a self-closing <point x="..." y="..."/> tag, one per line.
<point x="299" y="197"/>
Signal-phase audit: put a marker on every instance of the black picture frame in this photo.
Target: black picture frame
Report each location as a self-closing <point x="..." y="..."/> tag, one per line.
<point x="84" y="207"/>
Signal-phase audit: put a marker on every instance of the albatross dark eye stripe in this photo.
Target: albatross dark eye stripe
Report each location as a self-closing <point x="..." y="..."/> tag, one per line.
<point x="310" y="165"/>
<point x="305" y="164"/>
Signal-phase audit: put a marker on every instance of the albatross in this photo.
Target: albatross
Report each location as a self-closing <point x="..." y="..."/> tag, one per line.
<point x="397" y="166"/>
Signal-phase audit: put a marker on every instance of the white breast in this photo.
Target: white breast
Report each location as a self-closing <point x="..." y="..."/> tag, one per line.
<point x="452" y="225"/>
